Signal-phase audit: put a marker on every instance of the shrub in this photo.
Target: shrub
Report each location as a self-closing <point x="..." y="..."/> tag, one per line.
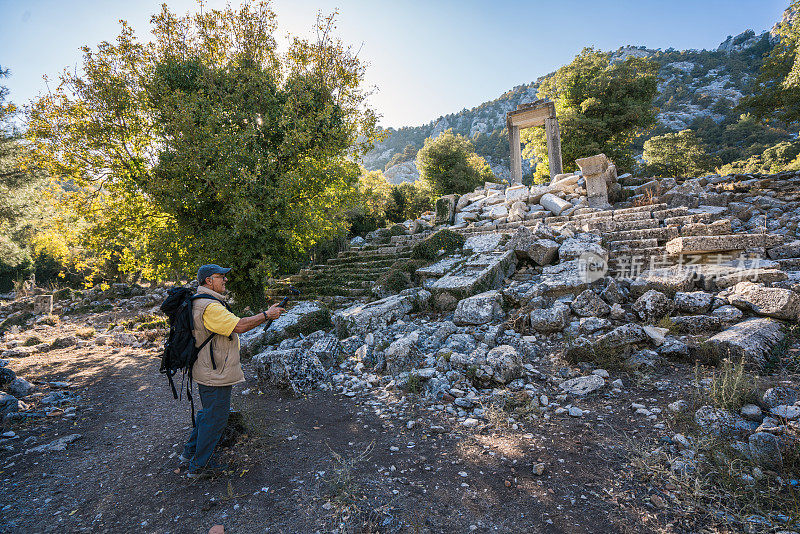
<point x="429" y="247"/>
<point x="705" y="353"/>
<point x="732" y="387"/>
<point x="414" y="384"/>
<point x="85" y="333"/>
<point x="396" y="281"/>
<point x="449" y="163"/>
<point x="397" y="229"/>
<point x="32" y="341"/>
<point x="400" y="275"/>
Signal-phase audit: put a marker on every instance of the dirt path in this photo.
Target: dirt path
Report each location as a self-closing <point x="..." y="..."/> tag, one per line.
<point x="324" y="463"/>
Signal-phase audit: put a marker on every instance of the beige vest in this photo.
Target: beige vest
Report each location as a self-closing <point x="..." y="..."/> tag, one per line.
<point x="226" y="350"/>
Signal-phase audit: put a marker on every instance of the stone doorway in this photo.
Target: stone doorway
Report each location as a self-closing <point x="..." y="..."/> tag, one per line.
<point x="536" y="113"/>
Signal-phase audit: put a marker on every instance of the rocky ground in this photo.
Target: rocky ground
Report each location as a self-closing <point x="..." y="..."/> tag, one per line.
<point x="94" y="447"/>
<point x="508" y="388"/>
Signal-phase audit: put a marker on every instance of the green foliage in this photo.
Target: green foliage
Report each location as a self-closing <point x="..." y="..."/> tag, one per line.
<point x="207" y="145"/>
<point x="428" y="248"/>
<point x="676" y="154"/>
<point x="601" y="107"/>
<point x="784" y="356"/>
<point x="408" y="201"/>
<point x="401" y="275"/>
<point x="414" y="384"/>
<point x="780" y="157"/>
<point x="738" y="137"/>
<point x="32" y="341"/>
<point x="368" y="212"/>
<point x="732" y="388"/>
<point x="449" y="163"/>
<point x="397" y="229"/>
<point x="776" y="94"/>
<point x="23" y="210"/>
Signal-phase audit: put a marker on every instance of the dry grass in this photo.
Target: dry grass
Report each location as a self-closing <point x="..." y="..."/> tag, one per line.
<point x="648" y="199"/>
<point x="85" y="333"/>
<point x="732" y="387"/>
<point x="722" y="490"/>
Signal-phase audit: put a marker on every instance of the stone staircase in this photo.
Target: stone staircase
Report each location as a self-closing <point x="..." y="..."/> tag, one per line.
<point x="636" y="238"/>
<point x="350" y="274"/>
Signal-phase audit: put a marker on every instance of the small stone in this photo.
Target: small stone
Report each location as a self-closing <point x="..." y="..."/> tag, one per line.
<point x="677" y="406"/>
<point x="790" y="413"/>
<point x="682" y="441"/>
<point x="574" y="411"/>
<point x="617" y="383"/>
<point x="538" y="469"/>
<point x="751" y="412"/>
<point x="658" y="501"/>
<point x="470" y="422"/>
<point x="583" y="385"/>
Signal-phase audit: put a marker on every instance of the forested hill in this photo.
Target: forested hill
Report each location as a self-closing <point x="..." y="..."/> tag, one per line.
<point x="698" y="89"/>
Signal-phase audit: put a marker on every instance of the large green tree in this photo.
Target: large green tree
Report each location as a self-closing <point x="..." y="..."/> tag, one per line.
<point x="450" y="165"/>
<point x="676" y="154"/>
<point x="208" y="145"/>
<point x="26" y="243"/>
<point x="602" y="105"/>
<point x="776" y="94"/>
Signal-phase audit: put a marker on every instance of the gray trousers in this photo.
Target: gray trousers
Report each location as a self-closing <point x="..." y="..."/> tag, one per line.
<point x="210" y="422"/>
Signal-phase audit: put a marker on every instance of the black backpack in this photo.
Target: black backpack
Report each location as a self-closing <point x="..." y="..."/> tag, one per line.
<point x="180" y="350"/>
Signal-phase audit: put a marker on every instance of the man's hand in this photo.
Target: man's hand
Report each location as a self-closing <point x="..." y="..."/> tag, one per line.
<point x="246" y="324"/>
<point x="274" y="312"/>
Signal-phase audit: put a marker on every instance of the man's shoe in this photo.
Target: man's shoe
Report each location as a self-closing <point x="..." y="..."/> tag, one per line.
<point x="183" y="460"/>
<point x="211" y="468"/>
<point x="198" y="472"/>
<point x="214" y="466"/>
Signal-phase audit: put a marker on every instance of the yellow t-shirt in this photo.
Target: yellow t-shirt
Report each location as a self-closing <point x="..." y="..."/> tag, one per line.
<point x="219" y="320"/>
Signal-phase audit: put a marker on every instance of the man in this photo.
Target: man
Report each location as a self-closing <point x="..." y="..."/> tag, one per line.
<point x="217" y="367"/>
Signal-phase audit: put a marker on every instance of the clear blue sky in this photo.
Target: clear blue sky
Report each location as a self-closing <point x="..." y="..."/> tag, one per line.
<point x="427" y="58"/>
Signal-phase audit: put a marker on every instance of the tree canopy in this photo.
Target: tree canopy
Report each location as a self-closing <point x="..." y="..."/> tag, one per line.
<point x="676" y="154"/>
<point x="602" y="105"/>
<point x="776" y="94"/>
<point x="206" y="145"/>
<point x="450" y="165"/>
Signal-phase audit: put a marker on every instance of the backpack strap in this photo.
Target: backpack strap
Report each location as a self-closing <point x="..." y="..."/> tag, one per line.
<point x="211" y="349"/>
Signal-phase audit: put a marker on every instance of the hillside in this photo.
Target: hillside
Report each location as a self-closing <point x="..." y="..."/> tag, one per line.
<point x="698" y="89"/>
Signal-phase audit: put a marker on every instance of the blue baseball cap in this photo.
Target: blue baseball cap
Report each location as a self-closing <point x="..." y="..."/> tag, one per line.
<point x="207" y="270"/>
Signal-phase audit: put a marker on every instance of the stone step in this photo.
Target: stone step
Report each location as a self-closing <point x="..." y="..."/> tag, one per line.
<point x="384" y="259"/>
<point x="721" y="243"/>
<point x="721" y="227"/>
<point x="632" y="215"/>
<point x="620" y="213"/>
<point x="689" y="219"/>
<point x="344" y="276"/>
<point x="633" y="244"/>
<point x="662" y="234"/>
<point x="347" y="268"/>
<point x="611" y="225"/>
<point x="381" y="250"/>
<point x="351" y="284"/>
<point x="670" y="212"/>
<point x="789" y="264"/>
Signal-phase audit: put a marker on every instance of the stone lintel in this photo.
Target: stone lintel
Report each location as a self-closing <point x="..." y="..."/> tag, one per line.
<point x="592" y="165"/>
<point x="534" y="115"/>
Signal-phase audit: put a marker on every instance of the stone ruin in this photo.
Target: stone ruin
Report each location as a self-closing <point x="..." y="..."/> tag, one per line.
<point x="704" y="267"/>
<point x="537" y="113"/>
